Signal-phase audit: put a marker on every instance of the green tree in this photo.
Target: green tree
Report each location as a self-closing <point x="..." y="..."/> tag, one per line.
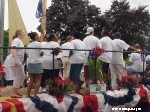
<point x="6" y="42"/>
<point x="134" y="24"/>
<point x="65" y="16"/>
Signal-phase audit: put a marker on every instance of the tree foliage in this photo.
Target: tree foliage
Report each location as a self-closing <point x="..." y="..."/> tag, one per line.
<point x="6" y="42"/>
<point x="134" y="24"/>
<point x="65" y="16"/>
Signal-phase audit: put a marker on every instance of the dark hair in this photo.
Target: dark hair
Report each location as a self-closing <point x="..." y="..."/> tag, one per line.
<point x="117" y="35"/>
<point x="77" y="35"/>
<point x="69" y="38"/>
<point x="105" y="32"/>
<point x="51" y="37"/>
<point x="32" y="35"/>
<point x="17" y="33"/>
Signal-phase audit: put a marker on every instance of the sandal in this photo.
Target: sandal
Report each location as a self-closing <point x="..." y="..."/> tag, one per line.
<point x="16" y="96"/>
<point x="19" y="94"/>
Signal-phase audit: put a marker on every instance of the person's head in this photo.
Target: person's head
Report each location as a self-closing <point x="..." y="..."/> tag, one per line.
<point x="137" y="46"/>
<point x="19" y="34"/>
<point x="52" y="37"/>
<point x="69" y="38"/>
<point x="90" y="31"/>
<point x="59" y="41"/>
<point x="77" y="35"/>
<point x="117" y="35"/>
<point x="34" y="36"/>
<point x="104" y="33"/>
<point x="45" y="37"/>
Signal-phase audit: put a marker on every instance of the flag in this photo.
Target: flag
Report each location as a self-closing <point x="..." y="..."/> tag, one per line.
<point x="39" y="11"/>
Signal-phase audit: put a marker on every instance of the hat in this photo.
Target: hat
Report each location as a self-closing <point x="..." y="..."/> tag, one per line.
<point x="89" y="30"/>
<point x="117" y="34"/>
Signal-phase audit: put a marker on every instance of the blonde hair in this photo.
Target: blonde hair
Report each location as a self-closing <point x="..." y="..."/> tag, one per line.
<point x="17" y="33"/>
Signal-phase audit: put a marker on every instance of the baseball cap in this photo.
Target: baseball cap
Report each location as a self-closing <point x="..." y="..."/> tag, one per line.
<point x="89" y="30"/>
<point x="117" y="34"/>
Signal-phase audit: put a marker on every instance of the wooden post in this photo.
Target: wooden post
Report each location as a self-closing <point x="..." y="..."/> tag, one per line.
<point x="43" y="20"/>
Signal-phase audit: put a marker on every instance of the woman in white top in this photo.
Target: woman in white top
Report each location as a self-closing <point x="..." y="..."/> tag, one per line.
<point x="135" y="62"/>
<point x="15" y="61"/>
<point x="51" y="71"/>
<point x="35" y="68"/>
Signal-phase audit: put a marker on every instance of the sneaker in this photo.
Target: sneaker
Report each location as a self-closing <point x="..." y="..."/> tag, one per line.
<point x="42" y="90"/>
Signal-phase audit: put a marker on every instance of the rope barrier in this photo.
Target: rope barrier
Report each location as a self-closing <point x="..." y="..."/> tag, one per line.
<point x="66" y="49"/>
<point x="143" y="52"/>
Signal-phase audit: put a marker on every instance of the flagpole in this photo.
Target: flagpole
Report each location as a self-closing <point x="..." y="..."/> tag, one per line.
<point x="43" y="20"/>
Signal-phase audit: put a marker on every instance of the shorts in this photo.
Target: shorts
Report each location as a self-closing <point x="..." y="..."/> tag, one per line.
<point x="52" y="74"/>
<point x="35" y="68"/>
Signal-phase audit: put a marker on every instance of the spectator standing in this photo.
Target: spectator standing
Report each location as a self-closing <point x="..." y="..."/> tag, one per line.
<point x="90" y="42"/>
<point x="77" y="58"/>
<point x="35" y="68"/>
<point x="15" y="61"/>
<point x="106" y="43"/>
<point x="117" y="63"/>
<point x="49" y="71"/>
<point x="65" y="57"/>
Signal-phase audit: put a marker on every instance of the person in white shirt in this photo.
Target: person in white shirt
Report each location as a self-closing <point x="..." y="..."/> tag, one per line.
<point x="105" y="43"/>
<point x="90" y="42"/>
<point x="35" y="68"/>
<point x="77" y="58"/>
<point x="15" y="60"/>
<point x="51" y="70"/>
<point x="65" y="57"/>
<point x="117" y="63"/>
<point x="136" y="62"/>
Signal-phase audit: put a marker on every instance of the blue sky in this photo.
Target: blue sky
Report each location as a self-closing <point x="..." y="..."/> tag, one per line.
<point x="28" y="9"/>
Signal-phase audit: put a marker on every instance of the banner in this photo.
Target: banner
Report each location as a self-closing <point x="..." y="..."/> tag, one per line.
<point x="39" y="11"/>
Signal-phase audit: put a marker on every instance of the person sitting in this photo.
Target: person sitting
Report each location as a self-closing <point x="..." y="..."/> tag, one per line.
<point x="136" y="62"/>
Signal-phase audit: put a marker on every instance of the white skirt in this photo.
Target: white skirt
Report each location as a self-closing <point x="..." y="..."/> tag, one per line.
<point x="9" y="70"/>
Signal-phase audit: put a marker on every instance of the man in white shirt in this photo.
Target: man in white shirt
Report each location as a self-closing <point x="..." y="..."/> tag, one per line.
<point x="117" y="63"/>
<point x="90" y="42"/>
<point x="105" y="43"/>
<point x="65" y="57"/>
<point x="77" y="58"/>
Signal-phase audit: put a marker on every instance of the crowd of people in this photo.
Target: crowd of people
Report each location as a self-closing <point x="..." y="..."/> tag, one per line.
<point x="42" y="68"/>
